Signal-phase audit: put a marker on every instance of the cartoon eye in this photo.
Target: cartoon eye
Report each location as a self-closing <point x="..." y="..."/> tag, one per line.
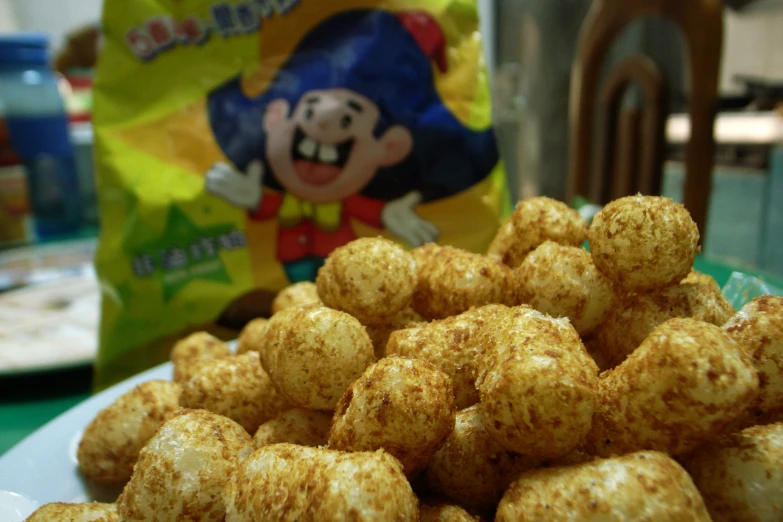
<point x="345" y="122"/>
<point x="308" y="115"/>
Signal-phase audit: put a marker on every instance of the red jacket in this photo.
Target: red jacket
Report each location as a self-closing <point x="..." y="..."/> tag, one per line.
<point x="306" y="239"/>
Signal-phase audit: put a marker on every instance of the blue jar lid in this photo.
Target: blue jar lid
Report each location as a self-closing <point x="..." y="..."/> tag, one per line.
<point x="24" y="48"/>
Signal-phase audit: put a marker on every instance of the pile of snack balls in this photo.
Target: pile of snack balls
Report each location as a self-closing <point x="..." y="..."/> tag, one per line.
<point x="540" y="381"/>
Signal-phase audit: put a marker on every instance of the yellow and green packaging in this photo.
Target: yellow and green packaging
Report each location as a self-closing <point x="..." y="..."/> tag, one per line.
<point x="239" y="142"/>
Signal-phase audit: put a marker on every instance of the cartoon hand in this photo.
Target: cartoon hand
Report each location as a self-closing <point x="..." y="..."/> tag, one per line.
<point x="241" y="190"/>
<point x="399" y="218"/>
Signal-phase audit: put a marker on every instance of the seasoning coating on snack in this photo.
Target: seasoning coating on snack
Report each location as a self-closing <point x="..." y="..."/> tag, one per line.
<point x="644" y="243"/>
<point x="451" y="281"/>
<point x="471" y="468"/>
<point x="450" y="345"/>
<point x="251" y="338"/>
<point x="314" y="353"/>
<point x="562" y="281"/>
<point x="758" y="328"/>
<point x="687" y="382"/>
<point x="111" y="443"/>
<point x="631" y="321"/>
<point x="182" y="470"/>
<point x="640" y="487"/>
<point x="444" y="513"/>
<point x="380" y="333"/>
<point x="534" y="221"/>
<point x="287" y="483"/>
<point x="66" y="512"/>
<point x="372" y="279"/>
<point x="236" y="387"/>
<point x="740" y="476"/>
<point x="404" y="406"/>
<point x="295" y="426"/>
<point x="196" y="347"/>
<point x="297" y="294"/>
<point x="537" y="383"/>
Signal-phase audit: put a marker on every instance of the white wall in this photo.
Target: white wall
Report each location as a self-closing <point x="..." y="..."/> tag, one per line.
<point x="8" y="21"/>
<point x="753" y="45"/>
<point x="56" y="17"/>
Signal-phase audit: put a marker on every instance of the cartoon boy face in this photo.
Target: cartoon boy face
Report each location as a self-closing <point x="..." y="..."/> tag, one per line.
<point x="325" y="149"/>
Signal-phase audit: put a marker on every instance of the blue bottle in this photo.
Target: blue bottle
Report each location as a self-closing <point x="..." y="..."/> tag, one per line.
<point x="38" y="129"/>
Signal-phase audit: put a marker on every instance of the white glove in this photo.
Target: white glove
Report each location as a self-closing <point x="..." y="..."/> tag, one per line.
<point x="399" y="218"/>
<point x="241" y="190"/>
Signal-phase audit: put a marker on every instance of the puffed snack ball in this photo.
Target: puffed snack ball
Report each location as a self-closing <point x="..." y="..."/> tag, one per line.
<point x="537" y="383"/>
<point x="251" y="338"/>
<point x="314" y="353"/>
<point x="562" y="281"/>
<point x="71" y="512"/>
<point x="687" y="382"/>
<point x="740" y="476"/>
<point x="182" y="470"/>
<point x="471" y="468"/>
<point x="290" y="483"/>
<point x="644" y="243"/>
<point x="373" y="279"/>
<point x="111" y="443"/>
<point x="404" y="406"/>
<point x="452" y="280"/>
<point x="198" y="346"/>
<point x="534" y="221"/>
<point x="639" y="487"/>
<point x="450" y="345"/>
<point x="295" y="426"/>
<point x="236" y="387"/>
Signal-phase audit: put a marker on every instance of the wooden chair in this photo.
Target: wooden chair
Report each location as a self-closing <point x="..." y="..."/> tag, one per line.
<point x="701" y="22"/>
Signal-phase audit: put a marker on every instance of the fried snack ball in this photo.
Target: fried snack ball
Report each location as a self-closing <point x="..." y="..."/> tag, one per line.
<point x="314" y="353"/>
<point x="647" y="486"/>
<point x="296" y="426"/>
<point x="562" y="281"/>
<point x="290" y="483"/>
<point x="740" y="476"/>
<point x="537" y="383"/>
<point x="236" y="387"/>
<point x="196" y="347"/>
<point x="686" y="382"/>
<point x="644" y="243"/>
<point x="182" y="470"/>
<point x="452" y="280"/>
<point x="404" y="406"/>
<point x="372" y="279"/>
<point x="111" y="443"/>
<point x="449" y="344"/>
<point x="380" y="333"/>
<point x="297" y="294"/>
<point x="631" y="321"/>
<point x="534" y="221"/>
<point x="66" y="512"/>
<point x="471" y="468"/>
<point x="758" y="328"/>
<point x="444" y="513"/>
<point x="251" y="338"/>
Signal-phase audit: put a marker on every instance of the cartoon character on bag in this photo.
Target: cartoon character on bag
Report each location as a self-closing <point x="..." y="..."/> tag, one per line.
<point x="350" y="127"/>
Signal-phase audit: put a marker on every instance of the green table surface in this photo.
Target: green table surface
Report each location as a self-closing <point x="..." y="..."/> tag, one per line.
<point x="27" y="402"/>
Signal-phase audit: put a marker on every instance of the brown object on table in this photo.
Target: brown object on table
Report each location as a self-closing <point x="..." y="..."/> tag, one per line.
<point x="701" y="22"/>
<point x="636" y="134"/>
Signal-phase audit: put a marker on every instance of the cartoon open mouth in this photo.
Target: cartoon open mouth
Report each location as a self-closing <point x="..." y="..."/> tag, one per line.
<point x="318" y="163"/>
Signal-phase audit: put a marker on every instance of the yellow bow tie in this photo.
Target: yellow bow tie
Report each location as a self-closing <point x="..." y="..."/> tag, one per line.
<point x="294" y="210"/>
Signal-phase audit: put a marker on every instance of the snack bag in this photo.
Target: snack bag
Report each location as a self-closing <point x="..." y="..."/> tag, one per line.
<point x="239" y="142"/>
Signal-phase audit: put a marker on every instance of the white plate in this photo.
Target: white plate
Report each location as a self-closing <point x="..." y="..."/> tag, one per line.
<point x="43" y="466"/>
<point x="50" y="326"/>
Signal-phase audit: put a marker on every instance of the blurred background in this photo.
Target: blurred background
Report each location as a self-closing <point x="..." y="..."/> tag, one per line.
<point x="48" y="209"/>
